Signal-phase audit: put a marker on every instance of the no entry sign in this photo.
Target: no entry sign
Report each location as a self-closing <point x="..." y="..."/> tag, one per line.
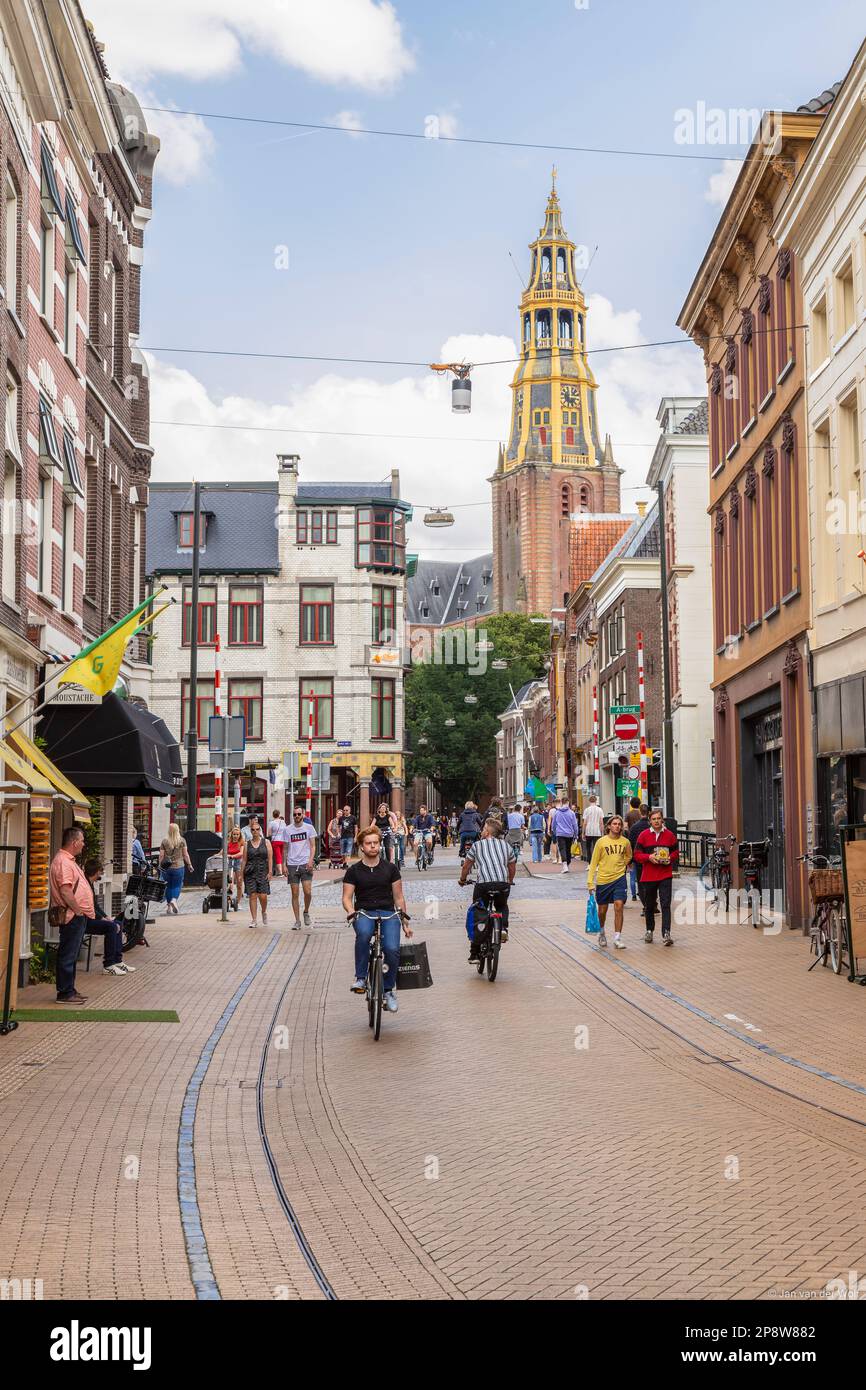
<point x="626" y="726"/>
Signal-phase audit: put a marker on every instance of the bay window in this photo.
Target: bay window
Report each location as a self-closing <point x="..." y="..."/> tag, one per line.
<point x="381" y="540"/>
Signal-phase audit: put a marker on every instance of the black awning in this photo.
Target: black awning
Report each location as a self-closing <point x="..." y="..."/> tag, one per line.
<point x="112" y="747"/>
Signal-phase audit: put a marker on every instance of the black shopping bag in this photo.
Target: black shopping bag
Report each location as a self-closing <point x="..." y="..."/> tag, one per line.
<point x="413" y="972"/>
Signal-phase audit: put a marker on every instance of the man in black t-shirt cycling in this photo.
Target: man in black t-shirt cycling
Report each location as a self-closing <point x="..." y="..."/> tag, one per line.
<point x="372" y="888"/>
<point x="423" y="828"/>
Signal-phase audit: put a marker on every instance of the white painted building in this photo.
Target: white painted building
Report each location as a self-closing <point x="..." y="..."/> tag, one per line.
<point x="681" y="464"/>
<point x="823" y="222"/>
<point x="304" y="584"/>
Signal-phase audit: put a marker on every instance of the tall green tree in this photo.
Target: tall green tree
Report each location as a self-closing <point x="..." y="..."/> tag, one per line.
<point x="460" y="760"/>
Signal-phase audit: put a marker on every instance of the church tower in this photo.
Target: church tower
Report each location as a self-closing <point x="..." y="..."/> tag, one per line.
<point x="554" y="463"/>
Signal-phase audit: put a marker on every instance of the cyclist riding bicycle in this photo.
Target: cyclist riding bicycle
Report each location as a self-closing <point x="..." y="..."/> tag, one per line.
<point x="496" y="863"/>
<point x="372" y="888"/>
<point x="423" y="827"/>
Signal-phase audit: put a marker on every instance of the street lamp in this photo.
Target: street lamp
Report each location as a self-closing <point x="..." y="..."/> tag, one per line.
<point x="422" y="741"/>
<point x="470" y="699"/>
<point x="450" y="723"/>
<point x="499" y="665"/>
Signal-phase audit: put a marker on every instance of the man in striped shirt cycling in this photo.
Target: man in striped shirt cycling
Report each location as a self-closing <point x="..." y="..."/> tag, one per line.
<point x="495" y="862"/>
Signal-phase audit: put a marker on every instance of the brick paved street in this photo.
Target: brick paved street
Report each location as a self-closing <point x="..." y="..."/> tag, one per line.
<point x="658" y="1125"/>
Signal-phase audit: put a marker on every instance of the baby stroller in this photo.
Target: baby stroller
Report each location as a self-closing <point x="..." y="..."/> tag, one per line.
<point x="336" y="857"/>
<point x="213" y="877"/>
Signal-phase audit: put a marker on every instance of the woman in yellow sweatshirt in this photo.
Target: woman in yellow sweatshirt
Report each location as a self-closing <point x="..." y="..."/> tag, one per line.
<point x="607" y="877"/>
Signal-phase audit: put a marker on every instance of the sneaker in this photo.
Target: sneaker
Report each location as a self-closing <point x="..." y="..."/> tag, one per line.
<point x="564" y="870"/>
<point x="503" y="935"/>
<point x="619" y="944"/>
<point x="296" y="926"/>
<point x="306" y="919"/>
<point x="359" y="986"/>
<point x="264" y="919"/>
<point x="473" y="954"/>
<point x="113" y="970"/>
<point x="73" y="998"/>
<point x="666" y="940"/>
<point x="647" y="936"/>
<point x="127" y="969"/>
<point x="391" y="1000"/>
<point x="602" y="939"/>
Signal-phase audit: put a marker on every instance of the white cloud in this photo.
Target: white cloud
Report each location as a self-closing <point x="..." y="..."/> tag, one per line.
<point x="718" y="190"/>
<point x="186" y="143"/>
<point x="452" y="468"/>
<point x="447" y="125"/>
<point x="347" y="120"/>
<point x="359" y="42"/>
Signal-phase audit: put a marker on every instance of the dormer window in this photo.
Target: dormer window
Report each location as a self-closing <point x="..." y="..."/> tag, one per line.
<point x="186" y="529"/>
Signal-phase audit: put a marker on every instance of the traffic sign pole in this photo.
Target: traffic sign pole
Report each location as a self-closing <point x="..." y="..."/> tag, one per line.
<point x="310" y="761"/>
<point x="595" y="738"/>
<point x="640" y="681"/>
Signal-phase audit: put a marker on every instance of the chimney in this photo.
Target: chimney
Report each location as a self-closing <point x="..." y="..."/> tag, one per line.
<point x="288" y="463"/>
<point x="395" y="482"/>
<point x="641" y="508"/>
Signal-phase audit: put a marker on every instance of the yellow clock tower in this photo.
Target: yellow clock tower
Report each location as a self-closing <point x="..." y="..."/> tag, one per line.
<point x="554" y="463"/>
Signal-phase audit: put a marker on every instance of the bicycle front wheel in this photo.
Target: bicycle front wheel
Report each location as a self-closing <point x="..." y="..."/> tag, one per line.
<point x="374" y="995"/>
<point x="835" y="937"/>
<point x="492" y="961"/>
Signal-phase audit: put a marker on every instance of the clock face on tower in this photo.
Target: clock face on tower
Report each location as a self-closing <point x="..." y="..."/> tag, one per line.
<point x="571" y="395"/>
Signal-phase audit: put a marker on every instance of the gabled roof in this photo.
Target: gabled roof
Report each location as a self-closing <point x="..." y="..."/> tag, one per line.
<point x="591" y="538"/>
<point x="640" y="542"/>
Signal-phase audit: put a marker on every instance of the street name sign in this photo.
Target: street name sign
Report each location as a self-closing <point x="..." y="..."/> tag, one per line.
<point x="625" y="709"/>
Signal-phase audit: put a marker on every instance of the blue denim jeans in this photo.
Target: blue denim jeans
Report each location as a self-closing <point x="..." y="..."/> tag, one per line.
<point x="173" y="882"/>
<point x="400" y="850"/>
<point x="71" y="937"/>
<point x="347" y="844"/>
<point x="632" y="878"/>
<point x="111" y="929"/>
<point x="364" y="925"/>
<point x="536" y="837"/>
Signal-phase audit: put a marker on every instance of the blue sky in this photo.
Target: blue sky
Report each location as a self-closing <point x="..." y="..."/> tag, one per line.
<point x="395" y="246"/>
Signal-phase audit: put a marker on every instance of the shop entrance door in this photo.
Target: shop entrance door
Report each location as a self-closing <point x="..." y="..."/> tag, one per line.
<point x="768" y="820"/>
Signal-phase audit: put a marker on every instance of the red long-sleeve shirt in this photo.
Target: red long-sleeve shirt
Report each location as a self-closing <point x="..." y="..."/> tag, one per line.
<point x="648" y="841"/>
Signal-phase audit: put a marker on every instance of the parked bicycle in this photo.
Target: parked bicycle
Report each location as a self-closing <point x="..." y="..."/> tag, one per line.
<point x="716" y="871"/>
<point x="828" y="934"/>
<point x="752" y="856"/>
<point x="141" y="890"/>
<point x="374" y="985"/>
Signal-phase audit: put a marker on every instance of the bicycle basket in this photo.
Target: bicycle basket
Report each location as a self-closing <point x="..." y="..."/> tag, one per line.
<point x="758" y="850"/>
<point x="146" y="889"/>
<point x="825" y="884"/>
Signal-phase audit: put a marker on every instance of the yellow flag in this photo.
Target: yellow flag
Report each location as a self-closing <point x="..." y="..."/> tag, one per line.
<point x="97" y="666"/>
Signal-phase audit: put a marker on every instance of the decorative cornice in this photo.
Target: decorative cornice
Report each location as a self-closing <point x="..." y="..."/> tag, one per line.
<point x="728" y="283"/>
<point x="702" y="340"/>
<point x="716" y="379"/>
<point x="762" y="211"/>
<point x="713" y="313"/>
<point x="745" y="249"/>
<point x="784" y="167"/>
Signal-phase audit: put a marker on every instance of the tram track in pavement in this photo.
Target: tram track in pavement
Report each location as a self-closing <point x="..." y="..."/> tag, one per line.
<point x="670" y="1062"/>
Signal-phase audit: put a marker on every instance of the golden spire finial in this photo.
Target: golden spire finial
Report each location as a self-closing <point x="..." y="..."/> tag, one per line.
<point x="553" y="176"/>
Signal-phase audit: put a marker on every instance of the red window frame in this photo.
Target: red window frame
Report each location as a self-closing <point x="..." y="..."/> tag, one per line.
<point x="319" y="621"/>
<point x="380" y="538"/>
<point x="250" y="706"/>
<point x="186" y="616"/>
<point x="206" y="699"/>
<point x="184" y="530"/>
<point x="302" y="528"/>
<point x="331" y="528"/>
<point x="382" y="709"/>
<point x="250" y="615"/>
<point x="385" y="606"/>
<point x="316" y="528"/>
<point x="542" y="434"/>
<point x="323" y="708"/>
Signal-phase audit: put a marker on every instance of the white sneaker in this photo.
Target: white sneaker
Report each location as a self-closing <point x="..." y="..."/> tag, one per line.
<point x="127" y="969"/>
<point x="391" y="1000"/>
<point x="306" y="919"/>
<point x="619" y="944"/>
<point x="113" y="970"/>
<point x="565" y="870"/>
<point x="358" y="986"/>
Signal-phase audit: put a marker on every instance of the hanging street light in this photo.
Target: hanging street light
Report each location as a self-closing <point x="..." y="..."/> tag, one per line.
<point x="470" y="699"/>
<point x="461" y="386"/>
<point x="499" y="665"/>
<point x="422" y="741"/>
<point x="450" y="723"/>
<point x="438" y="517"/>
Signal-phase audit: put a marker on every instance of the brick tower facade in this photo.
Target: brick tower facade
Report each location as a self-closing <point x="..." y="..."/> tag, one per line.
<point x="554" y="464"/>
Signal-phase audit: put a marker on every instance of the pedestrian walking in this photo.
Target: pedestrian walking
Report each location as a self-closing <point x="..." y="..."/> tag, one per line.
<point x="632" y="815"/>
<point x="333" y="834"/>
<point x="593" y="825"/>
<point x="348" y="827"/>
<point x="452" y="826"/>
<point x="468" y="826"/>
<point x="235" y="852"/>
<point x="442" y="827"/>
<point x="300" y="858"/>
<point x="401" y="834"/>
<point x="71" y="898"/>
<point x="173" y="859"/>
<point x="257" y="866"/>
<point x="536" y="833"/>
<point x="516" y="825"/>
<point x="139" y="858"/>
<point x="657" y="851"/>
<point x="550" y="849"/>
<point x="611" y="857"/>
<point x="564" y="830"/>
<point x="278" y="834"/>
<point x="637" y="827"/>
